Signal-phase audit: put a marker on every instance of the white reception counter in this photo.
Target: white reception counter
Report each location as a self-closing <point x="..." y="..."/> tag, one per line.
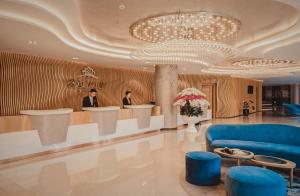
<point x="52" y="125"/>
<point x="105" y="117"/>
<point x="101" y="109"/>
<point x="47" y="112"/>
<point x="142" y="113"/>
<point x="44" y="131"/>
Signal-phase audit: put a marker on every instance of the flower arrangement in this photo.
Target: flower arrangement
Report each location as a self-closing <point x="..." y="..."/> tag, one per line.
<point x="191" y="102"/>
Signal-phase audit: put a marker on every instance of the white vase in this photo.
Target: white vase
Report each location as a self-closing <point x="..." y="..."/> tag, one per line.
<point x="191" y="121"/>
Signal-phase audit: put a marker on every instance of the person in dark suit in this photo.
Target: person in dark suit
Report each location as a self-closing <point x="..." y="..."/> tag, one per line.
<point x="127" y="100"/>
<point x="91" y="99"/>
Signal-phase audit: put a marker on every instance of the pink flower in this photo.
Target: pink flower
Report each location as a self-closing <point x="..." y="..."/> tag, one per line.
<point x="194" y="96"/>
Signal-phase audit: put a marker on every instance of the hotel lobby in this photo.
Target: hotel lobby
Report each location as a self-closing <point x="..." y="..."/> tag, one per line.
<point x="149" y="98"/>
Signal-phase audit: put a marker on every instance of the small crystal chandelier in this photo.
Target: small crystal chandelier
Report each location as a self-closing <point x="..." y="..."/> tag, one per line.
<point x="193" y="37"/>
<point x="258" y="67"/>
<point x="263" y="63"/>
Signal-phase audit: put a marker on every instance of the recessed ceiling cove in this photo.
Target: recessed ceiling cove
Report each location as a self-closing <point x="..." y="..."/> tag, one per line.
<point x="186" y="37"/>
<point x="103" y="20"/>
<point x="98" y="31"/>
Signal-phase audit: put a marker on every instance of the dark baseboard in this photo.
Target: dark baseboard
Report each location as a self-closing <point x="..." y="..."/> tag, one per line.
<point x="169" y="129"/>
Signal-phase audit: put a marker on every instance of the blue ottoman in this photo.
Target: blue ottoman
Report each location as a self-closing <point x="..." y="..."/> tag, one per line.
<point x="254" y="181"/>
<point x="202" y="168"/>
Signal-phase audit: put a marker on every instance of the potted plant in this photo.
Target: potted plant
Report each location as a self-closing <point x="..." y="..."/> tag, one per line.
<point x="246" y="107"/>
<point x="192" y="103"/>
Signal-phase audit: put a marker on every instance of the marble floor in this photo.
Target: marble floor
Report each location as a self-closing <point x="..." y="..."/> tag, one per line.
<point x="152" y="164"/>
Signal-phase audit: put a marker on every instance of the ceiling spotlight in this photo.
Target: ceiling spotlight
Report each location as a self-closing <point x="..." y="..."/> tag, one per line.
<point x="32" y="42"/>
<point x="122" y="6"/>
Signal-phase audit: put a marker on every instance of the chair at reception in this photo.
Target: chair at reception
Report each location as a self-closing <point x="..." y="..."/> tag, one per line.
<point x="292" y="109"/>
<point x="254" y="181"/>
<point x="276" y="140"/>
<point x="203" y="168"/>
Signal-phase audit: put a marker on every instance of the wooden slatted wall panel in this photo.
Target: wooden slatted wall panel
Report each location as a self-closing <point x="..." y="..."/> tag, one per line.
<point x="31" y="82"/>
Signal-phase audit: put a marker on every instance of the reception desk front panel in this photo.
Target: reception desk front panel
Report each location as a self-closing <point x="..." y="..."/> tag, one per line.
<point x="106" y="118"/>
<point x="52" y="125"/>
<point x="142" y="113"/>
<point x="23" y="141"/>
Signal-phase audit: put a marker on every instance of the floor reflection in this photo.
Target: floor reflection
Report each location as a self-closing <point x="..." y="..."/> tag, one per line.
<point x="152" y="165"/>
<point x="53" y="180"/>
<point x="143" y="157"/>
<point x="107" y="168"/>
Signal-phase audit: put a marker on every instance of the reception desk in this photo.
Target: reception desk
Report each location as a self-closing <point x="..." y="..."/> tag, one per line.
<point x="105" y="117"/>
<point x="52" y="125"/>
<point x="33" y="132"/>
<point x="142" y="113"/>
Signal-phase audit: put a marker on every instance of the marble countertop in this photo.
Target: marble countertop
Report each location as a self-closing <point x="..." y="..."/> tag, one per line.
<point x="139" y="106"/>
<point x="99" y="109"/>
<point x="47" y="112"/>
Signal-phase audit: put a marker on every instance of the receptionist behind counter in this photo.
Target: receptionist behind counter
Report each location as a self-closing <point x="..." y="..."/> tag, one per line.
<point x="127" y="100"/>
<point x="91" y="99"/>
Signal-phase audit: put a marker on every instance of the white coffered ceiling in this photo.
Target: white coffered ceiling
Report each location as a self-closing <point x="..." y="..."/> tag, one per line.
<point x="97" y="31"/>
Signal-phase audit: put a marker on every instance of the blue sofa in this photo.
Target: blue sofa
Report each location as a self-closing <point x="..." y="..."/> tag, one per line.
<point x="265" y="139"/>
<point x="292" y="109"/>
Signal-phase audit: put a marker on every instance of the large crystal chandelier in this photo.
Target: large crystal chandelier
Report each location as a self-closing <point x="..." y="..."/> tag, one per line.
<point x="197" y="37"/>
<point x="185" y="26"/>
<point x="181" y="51"/>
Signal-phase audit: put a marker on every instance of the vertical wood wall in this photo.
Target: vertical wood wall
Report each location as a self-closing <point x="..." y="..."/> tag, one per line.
<point x="31" y="82"/>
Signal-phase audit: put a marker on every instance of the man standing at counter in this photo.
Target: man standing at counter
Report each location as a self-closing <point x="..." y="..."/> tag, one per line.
<point x="127" y="100"/>
<point x="91" y="99"/>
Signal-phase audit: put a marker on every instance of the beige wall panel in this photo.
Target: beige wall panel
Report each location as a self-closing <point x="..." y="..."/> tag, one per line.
<point x="78" y="118"/>
<point x="125" y="114"/>
<point x="13" y="123"/>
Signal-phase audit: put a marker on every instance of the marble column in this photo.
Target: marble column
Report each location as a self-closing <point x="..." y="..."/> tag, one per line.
<point x="166" y="79"/>
<point x="295" y="93"/>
